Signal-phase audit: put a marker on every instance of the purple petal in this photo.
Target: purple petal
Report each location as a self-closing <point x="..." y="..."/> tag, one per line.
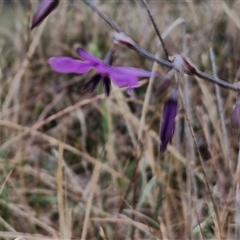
<point x="168" y="123"/>
<point x="122" y="80"/>
<point x="88" y="56"/>
<point x="43" y="10"/>
<point x="92" y="83"/>
<point x="135" y="71"/>
<point x="69" y="65"/>
<point x="107" y="85"/>
<point x="103" y="69"/>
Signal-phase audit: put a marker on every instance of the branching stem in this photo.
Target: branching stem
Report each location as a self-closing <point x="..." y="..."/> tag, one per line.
<point x="161" y="61"/>
<point x="156" y="28"/>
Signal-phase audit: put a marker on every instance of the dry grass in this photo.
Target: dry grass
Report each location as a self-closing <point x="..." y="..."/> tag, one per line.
<point x="67" y="158"/>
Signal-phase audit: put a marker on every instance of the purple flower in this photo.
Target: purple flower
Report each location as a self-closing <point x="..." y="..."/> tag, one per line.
<point x="168" y="121"/>
<point x="236" y="114"/>
<point x="121" y="76"/>
<point x="43" y="10"/>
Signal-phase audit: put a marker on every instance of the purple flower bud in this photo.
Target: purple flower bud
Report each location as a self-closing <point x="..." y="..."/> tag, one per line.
<point x="168" y="121"/>
<point x="236" y="114"/>
<point x="43" y="10"/>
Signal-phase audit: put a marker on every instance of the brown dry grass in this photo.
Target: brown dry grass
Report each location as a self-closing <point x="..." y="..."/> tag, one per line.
<point x="67" y="157"/>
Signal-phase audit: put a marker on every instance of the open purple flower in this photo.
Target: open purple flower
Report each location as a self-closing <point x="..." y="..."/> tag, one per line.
<point x="168" y="121"/>
<point x="42" y="11"/>
<point x="121" y="76"/>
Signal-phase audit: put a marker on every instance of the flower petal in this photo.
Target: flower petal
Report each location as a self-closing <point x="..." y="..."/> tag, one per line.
<point x="134" y="71"/>
<point x="107" y="85"/>
<point x="123" y="80"/>
<point x="69" y="65"/>
<point x="87" y="56"/>
<point x="92" y="83"/>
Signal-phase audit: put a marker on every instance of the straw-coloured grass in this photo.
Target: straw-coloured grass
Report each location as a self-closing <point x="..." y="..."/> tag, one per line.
<point x="77" y="165"/>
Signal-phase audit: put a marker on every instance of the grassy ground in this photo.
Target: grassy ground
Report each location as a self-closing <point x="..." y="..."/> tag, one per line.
<point x="67" y="156"/>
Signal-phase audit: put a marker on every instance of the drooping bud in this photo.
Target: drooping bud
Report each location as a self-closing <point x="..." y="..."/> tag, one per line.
<point x="42" y="11"/>
<point x="236" y="114"/>
<point x="165" y="82"/>
<point x="122" y="38"/>
<point x="183" y="65"/>
<point x="168" y="120"/>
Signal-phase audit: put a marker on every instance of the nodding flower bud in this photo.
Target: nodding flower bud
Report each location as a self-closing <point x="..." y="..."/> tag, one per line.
<point x="166" y="81"/>
<point x="42" y="11"/>
<point x="236" y="114"/>
<point x="168" y="120"/>
<point x="122" y="38"/>
<point x="183" y="65"/>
